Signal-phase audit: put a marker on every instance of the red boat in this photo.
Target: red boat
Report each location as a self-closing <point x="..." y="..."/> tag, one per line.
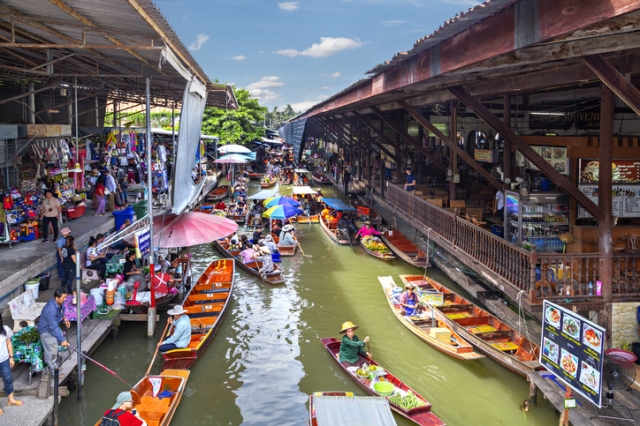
<point x="421" y="415"/>
<point x="205" y="304"/>
<point x="218" y="193"/>
<point x="255" y="175"/>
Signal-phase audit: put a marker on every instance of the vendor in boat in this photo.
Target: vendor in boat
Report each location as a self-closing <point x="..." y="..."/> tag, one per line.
<point x="257" y="234"/>
<point x="367" y="231"/>
<point x="352" y="347"/>
<point x="288" y="237"/>
<point x="345" y="225"/>
<point x="130" y="267"/>
<point x="162" y="265"/>
<point x="121" y="413"/>
<point x="410" y="300"/>
<point x="181" y="330"/>
<point x="263" y="255"/>
<point x="275" y="229"/>
<point x="325" y="213"/>
<point x="220" y="205"/>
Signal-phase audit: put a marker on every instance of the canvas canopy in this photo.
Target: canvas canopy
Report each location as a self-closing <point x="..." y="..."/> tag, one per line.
<point x="303" y="190"/>
<point x="353" y="410"/>
<point x="336" y="204"/>
<point x="265" y="194"/>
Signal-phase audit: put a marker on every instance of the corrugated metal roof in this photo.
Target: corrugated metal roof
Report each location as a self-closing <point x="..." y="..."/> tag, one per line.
<point x="457" y="24"/>
<point x="137" y="25"/>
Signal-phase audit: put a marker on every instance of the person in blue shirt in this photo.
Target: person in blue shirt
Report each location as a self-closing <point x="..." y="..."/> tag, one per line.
<point x="181" y="330"/>
<point x="49" y="328"/>
<point x="410" y="184"/>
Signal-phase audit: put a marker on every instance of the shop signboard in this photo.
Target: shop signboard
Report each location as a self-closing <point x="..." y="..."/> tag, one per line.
<point x="622" y="171"/>
<point x="486" y="155"/>
<point x="573" y="350"/>
<point x="554" y="155"/>
<point x="625" y="190"/>
<point x="584" y="119"/>
<point x="144" y="242"/>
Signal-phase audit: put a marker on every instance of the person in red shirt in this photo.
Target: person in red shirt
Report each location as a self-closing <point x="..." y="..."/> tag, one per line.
<point x="221" y="205"/>
<point x="121" y="411"/>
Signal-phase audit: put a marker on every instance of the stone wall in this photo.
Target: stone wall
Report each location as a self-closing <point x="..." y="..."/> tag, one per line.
<point x="624" y="324"/>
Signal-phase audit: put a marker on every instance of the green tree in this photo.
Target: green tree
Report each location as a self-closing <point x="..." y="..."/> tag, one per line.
<point x="237" y="126"/>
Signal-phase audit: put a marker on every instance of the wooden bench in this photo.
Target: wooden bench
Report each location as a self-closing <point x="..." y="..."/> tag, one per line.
<point x="435" y="202"/>
<point x="25" y="310"/>
<point x="475" y="212"/>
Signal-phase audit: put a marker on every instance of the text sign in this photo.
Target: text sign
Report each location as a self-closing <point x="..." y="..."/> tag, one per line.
<point x="573" y="349"/>
<point x="432" y="298"/>
<point x="144" y="242"/>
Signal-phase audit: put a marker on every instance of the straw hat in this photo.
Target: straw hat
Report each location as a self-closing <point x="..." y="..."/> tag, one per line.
<point x="348" y="325"/>
<point x="410" y="285"/>
<point x="264" y="250"/>
<point x="287" y="228"/>
<point x="367" y="223"/>
<point x="268" y="238"/>
<point x="177" y="310"/>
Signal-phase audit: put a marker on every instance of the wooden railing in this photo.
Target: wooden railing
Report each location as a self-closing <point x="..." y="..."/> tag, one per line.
<point x="541" y="275"/>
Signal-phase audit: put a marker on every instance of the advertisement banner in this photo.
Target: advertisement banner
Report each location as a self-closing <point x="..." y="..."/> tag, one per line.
<point x="486" y="155"/>
<point x="432" y="298"/>
<point x="573" y="350"/>
<point x="143" y="240"/>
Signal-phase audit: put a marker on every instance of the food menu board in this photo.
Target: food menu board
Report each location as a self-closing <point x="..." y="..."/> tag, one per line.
<point x="622" y="171"/>
<point x="573" y="350"/>
<point x="554" y="155"/>
<point x="625" y="200"/>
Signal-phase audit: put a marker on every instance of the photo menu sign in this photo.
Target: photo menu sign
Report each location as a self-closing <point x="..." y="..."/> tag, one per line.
<point x="573" y="350"/>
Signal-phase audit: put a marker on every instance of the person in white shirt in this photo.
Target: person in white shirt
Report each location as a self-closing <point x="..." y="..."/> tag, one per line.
<point x="498" y="205"/>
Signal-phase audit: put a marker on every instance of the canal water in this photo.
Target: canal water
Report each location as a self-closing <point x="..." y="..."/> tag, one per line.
<point x="267" y="357"/>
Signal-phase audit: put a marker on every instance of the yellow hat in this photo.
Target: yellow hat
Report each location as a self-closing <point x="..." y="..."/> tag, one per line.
<point x="348" y="325"/>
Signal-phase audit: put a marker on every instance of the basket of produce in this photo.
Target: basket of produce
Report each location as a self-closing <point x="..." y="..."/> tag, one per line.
<point x="384" y="388"/>
<point x="375" y="245"/>
<point x="408" y="401"/>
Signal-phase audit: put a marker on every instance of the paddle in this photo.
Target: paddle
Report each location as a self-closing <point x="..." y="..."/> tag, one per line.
<point x="369" y="350"/>
<point x="157" y="348"/>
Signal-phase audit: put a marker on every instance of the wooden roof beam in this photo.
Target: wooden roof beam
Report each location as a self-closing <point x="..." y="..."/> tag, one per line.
<point x="614" y="80"/>
<point x="565" y="184"/>
<point x="367" y="122"/>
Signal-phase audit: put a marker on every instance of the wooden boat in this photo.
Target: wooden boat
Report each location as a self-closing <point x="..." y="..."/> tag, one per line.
<point x="320" y="178"/>
<point x="343" y="408"/>
<point x="218" y="193"/>
<point x="255" y="175"/>
<point x="364" y="213"/>
<point x="252" y="268"/>
<point x="238" y="218"/>
<point x="420" y="415"/>
<point x="287" y="250"/>
<point x="334" y="234"/>
<point x="383" y="252"/>
<point x="488" y="334"/>
<point x="268" y="182"/>
<point x="309" y="219"/>
<point x="153" y="410"/>
<point x="432" y="330"/>
<point x="404" y="248"/>
<point x="205" y="304"/>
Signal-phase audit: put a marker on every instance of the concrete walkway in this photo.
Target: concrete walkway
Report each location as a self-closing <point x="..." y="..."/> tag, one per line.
<point x="34" y="412"/>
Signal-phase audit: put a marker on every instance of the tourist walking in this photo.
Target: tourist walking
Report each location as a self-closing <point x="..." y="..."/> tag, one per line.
<point x="112" y="189"/>
<point x="99" y="195"/>
<point x="49" y="328"/>
<point x="6" y="364"/>
<point x="69" y="260"/>
<point x="50" y="213"/>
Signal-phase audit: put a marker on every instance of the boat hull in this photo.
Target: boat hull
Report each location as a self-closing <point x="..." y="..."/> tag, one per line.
<point x="404" y="248"/>
<point x="252" y="268"/>
<point x="287" y="250"/>
<point x="320" y="179"/>
<point x="218" y="193"/>
<point x="333" y="234"/>
<point x="377" y="255"/>
<point x="309" y="219"/>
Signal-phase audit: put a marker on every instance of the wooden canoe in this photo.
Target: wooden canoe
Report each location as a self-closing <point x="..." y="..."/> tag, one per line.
<point x="309" y="219"/>
<point x="218" y="193"/>
<point x="255" y="176"/>
<point x="420" y="415"/>
<point x="487" y="333"/>
<point x="404" y="248"/>
<point x="153" y="410"/>
<point x="272" y="181"/>
<point x="205" y="304"/>
<point x="238" y="218"/>
<point x="333" y="233"/>
<point x="252" y="268"/>
<point x="287" y="250"/>
<point x="361" y="216"/>
<point x="321" y="179"/>
<point x="433" y="331"/>
<point x="388" y="255"/>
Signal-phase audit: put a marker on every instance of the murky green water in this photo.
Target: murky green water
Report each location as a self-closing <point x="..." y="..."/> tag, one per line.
<point x="267" y="357"/>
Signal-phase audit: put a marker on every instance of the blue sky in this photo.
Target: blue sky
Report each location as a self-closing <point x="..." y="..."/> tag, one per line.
<point x="301" y="52"/>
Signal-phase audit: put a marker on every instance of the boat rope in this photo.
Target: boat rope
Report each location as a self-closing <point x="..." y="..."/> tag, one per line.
<point x="521" y="315"/>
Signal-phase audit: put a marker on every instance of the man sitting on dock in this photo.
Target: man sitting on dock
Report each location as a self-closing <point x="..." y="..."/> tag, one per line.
<point x="120" y="413"/>
<point x="181" y="330"/>
<point x="49" y="328"/>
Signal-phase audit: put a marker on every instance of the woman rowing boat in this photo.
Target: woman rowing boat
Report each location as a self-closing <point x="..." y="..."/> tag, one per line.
<point x="352" y="347"/>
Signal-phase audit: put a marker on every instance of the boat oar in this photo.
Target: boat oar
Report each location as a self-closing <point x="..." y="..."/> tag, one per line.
<point x="113" y="373"/>
<point x="300" y="247"/>
<point x="369" y="350"/>
<point x="157" y="348"/>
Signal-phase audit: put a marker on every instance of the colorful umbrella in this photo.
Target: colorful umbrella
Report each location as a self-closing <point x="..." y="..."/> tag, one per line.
<point x="234" y="149"/>
<point x="232" y="159"/>
<point x="281" y="201"/>
<point x="282" y="212"/>
<point x="190" y="229"/>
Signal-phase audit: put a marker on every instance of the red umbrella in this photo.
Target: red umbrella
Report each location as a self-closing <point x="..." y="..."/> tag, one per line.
<point x="190" y="229"/>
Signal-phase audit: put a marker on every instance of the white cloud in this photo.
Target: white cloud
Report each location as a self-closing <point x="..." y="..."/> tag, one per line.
<point x="266" y="83"/>
<point x="328" y="46"/>
<point x="305" y="105"/>
<point x="289" y="6"/>
<point x="238" y="58"/>
<point x="200" y="39"/>
<point x="265" y="96"/>
<point x="326" y="87"/>
<point x="392" y="23"/>
<point x="335" y="74"/>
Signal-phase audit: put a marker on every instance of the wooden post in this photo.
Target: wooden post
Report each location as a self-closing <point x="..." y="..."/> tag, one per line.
<point x="506" y="167"/>
<point x="533" y="392"/>
<point x="605" y="225"/>
<point x="453" y="163"/>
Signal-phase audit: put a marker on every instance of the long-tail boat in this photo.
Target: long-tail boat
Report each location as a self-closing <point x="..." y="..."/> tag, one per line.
<point x="308" y="219"/>
<point x="205" y="304"/>
<point x="218" y="193"/>
<point x="404" y="248"/>
<point x="487" y="333"/>
<point x="330" y="228"/>
<point x="432" y="330"/>
<point x="376" y="248"/>
<point x="252" y="268"/>
<point x="345" y="409"/>
<point x="364" y="213"/>
<point x="320" y="178"/>
<point x="421" y="415"/>
<point x="333" y="233"/>
<point x="157" y="408"/>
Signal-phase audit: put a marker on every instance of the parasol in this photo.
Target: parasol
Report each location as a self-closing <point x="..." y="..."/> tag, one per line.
<point x="282" y="212"/>
<point x="281" y="201"/>
<point x="190" y="229"/>
<point x="232" y="159"/>
<point x="234" y="149"/>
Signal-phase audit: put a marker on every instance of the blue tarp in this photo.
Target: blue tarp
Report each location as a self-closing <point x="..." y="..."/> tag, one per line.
<point x="336" y="204"/>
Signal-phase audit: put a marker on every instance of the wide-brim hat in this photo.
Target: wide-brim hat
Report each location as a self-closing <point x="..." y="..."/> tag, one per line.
<point x="410" y="285"/>
<point x="348" y="325"/>
<point x="265" y="250"/>
<point x="366" y="222"/>
<point x="287" y="228"/>
<point x="176" y="310"/>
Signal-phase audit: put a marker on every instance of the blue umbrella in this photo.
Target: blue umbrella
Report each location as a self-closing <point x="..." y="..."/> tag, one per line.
<point x="281" y="200"/>
<point x="282" y="212"/>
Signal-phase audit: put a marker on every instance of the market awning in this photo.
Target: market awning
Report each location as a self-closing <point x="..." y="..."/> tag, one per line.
<point x="336" y="204"/>
<point x="264" y="194"/>
<point x="303" y="190"/>
<point x="271" y="141"/>
<point x="353" y="410"/>
<point x="302" y="171"/>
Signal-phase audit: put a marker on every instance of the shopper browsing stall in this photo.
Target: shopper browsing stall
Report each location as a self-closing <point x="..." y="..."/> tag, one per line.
<point x="50" y="213"/>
